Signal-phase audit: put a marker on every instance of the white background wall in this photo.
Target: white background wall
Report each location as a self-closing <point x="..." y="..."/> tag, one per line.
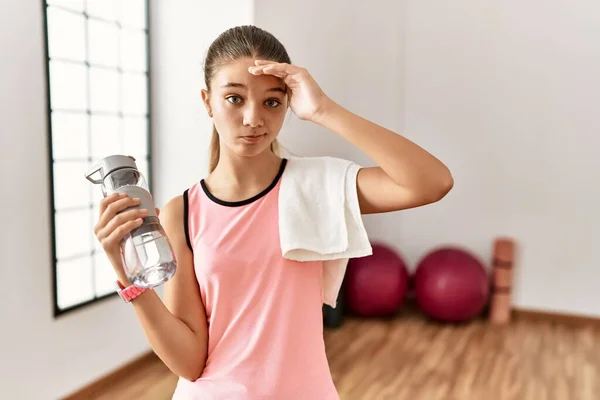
<point x="505" y="94"/>
<point x="40" y="357"/>
<point x="181" y="34"/>
<point x="508" y="94"/>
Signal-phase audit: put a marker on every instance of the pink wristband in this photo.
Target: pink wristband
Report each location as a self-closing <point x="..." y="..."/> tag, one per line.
<point x="128" y="293"/>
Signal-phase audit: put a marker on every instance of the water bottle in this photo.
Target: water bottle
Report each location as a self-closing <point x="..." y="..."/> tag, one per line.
<point x="146" y="252"/>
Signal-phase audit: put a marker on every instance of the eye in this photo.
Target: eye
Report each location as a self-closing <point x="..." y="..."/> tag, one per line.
<point x="234" y="99"/>
<point x="272" y="103"/>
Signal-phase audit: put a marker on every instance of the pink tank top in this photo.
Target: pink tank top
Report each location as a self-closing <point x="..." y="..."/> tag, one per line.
<point x="264" y="313"/>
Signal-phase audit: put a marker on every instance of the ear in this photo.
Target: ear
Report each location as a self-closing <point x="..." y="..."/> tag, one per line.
<point x="206" y="100"/>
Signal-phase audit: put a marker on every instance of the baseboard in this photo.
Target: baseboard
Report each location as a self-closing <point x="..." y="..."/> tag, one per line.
<point x="574" y="320"/>
<point x="100" y="385"/>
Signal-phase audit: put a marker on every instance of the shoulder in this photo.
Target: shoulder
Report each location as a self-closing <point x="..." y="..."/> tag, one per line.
<point x="323" y="170"/>
<point x="178" y="206"/>
<point x="171" y="215"/>
<point x="319" y="164"/>
<point x="174" y="205"/>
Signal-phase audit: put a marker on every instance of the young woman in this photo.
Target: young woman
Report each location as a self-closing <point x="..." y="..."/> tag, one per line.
<point x="238" y="320"/>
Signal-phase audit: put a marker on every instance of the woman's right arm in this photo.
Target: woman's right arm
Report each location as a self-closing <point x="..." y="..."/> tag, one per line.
<point x="176" y="329"/>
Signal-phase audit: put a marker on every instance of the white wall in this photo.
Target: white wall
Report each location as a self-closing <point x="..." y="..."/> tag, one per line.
<point x="182" y="31"/>
<point x="506" y="94"/>
<point x="42" y="357"/>
<point x="333" y="41"/>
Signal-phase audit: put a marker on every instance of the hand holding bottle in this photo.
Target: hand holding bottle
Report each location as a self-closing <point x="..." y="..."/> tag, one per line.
<point x="129" y="222"/>
<point x="114" y="224"/>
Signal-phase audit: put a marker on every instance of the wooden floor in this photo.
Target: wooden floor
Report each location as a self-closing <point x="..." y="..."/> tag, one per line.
<point x="411" y="358"/>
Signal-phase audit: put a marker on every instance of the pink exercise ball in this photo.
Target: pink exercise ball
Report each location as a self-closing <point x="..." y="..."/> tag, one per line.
<point x="375" y="286"/>
<point x="451" y="285"/>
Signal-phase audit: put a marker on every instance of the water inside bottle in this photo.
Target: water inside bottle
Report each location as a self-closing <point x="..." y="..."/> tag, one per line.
<point x="149" y="259"/>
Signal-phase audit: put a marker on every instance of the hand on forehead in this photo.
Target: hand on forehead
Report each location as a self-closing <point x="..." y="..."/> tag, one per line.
<point x="237" y="74"/>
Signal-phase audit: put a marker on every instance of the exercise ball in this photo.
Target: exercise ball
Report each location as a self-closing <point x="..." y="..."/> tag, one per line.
<point x="451" y="285"/>
<point x="375" y="285"/>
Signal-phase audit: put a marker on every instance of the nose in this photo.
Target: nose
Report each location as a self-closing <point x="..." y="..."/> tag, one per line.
<point x="253" y="116"/>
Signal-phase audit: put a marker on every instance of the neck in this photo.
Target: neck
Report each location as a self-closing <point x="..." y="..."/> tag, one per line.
<point x="244" y="173"/>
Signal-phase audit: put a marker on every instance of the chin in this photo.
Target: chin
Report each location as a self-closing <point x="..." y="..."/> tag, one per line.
<point x="254" y="149"/>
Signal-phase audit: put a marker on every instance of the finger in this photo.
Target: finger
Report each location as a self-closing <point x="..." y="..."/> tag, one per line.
<point x="284" y="67"/>
<point x="121" y="219"/>
<point x="257" y="69"/>
<point x="279" y="67"/>
<point x="113" y="209"/>
<point x="118" y="221"/>
<point x="118" y="234"/>
<point x="268" y="70"/>
<point x="264" y="62"/>
<point x="157" y="211"/>
<point x="110" y="199"/>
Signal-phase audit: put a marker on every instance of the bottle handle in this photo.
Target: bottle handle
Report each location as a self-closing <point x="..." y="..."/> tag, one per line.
<point x="95" y="169"/>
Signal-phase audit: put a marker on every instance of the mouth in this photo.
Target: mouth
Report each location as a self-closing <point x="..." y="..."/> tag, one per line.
<point x="254" y="138"/>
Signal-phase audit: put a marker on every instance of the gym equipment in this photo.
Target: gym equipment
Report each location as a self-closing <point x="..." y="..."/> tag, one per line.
<point x="451" y="285"/>
<point x="502" y="269"/>
<point x="376" y="285"/>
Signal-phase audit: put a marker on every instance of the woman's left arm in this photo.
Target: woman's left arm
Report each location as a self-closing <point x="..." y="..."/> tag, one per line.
<point x="407" y="176"/>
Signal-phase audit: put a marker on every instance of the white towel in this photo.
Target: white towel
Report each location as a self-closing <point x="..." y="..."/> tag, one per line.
<point x="320" y="219"/>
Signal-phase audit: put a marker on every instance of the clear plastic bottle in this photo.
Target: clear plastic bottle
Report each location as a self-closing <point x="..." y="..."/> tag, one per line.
<point x="147" y="255"/>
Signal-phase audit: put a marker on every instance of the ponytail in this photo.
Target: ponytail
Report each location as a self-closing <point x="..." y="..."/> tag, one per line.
<point x="215" y="150"/>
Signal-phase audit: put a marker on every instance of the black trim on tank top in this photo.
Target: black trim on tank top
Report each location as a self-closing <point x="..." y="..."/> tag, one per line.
<point x="251" y="199"/>
<point x="186" y="228"/>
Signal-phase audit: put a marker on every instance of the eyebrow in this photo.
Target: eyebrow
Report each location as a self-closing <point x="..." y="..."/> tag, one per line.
<point x="241" y="85"/>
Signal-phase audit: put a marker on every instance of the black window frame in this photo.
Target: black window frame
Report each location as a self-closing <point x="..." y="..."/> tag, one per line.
<point x="57" y="311"/>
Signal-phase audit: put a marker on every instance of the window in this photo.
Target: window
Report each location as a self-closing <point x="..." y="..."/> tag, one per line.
<point x="98" y="105"/>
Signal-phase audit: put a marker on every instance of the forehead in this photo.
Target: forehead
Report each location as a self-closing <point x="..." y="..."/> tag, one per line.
<point x="237" y="72"/>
